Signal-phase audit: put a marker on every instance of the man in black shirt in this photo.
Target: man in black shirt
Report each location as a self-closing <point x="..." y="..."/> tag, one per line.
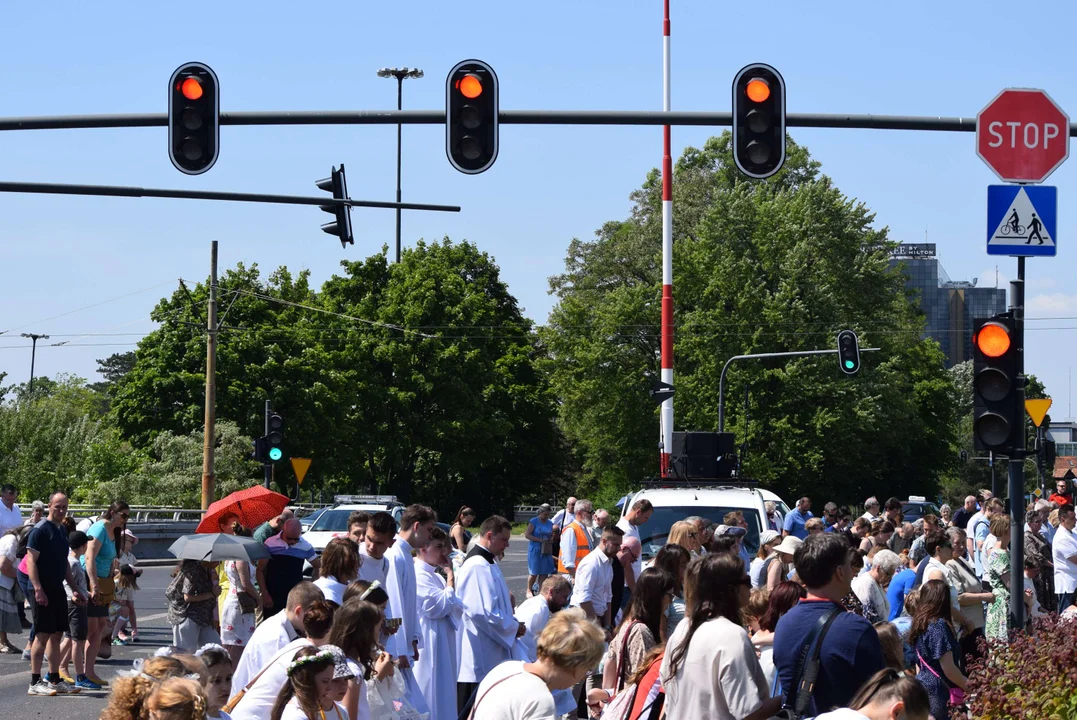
<point x="962" y="516"/>
<point x="46" y="564"/>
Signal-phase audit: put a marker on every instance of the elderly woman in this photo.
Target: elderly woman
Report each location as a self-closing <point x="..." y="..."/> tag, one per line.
<point x="870" y="588"/>
<point x="1038" y="549"/>
<point x="946" y="519"/>
<point x="539" y="534"/>
<point x="768" y="541"/>
<point x="37" y="513"/>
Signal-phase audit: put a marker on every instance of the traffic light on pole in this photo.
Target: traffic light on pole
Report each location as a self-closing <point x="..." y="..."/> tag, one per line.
<point x="194" y="112"/>
<point x="260" y="452"/>
<point x="759" y="120"/>
<point x="275" y="438"/>
<point x="848" y="352"/>
<point x="997" y="416"/>
<point x="471" y="122"/>
<point x="341" y="226"/>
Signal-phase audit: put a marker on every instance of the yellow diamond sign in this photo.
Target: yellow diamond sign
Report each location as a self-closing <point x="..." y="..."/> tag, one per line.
<point x="300" y="465"/>
<point x="1037" y="409"/>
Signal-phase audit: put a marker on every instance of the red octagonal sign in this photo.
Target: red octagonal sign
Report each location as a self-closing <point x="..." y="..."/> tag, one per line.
<point x="1022" y="135"/>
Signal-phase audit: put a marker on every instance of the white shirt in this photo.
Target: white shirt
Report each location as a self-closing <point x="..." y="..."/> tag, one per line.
<point x="632" y="531"/>
<point x="534" y="613"/>
<point x="9" y="518"/>
<point x="719" y="678"/>
<point x="842" y="714"/>
<point x="258" y="701"/>
<point x="8" y="546"/>
<point x="332" y="588"/>
<point x="594" y="582"/>
<point x="518" y="696"/>
<point x="872" y="595"/>
<point x="569" y="545"/>
<point x="869" y="517"/>
<point x="402" y="598"/>
<point x="559" y="519"/>
<point x="372" y="569"/>
<point x="268" y="639"/>
<point x="1064" y="548"/>
<point x="292" y="711"/>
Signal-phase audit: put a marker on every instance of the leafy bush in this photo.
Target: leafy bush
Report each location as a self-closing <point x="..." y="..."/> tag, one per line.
<point x="1031" y="677"/>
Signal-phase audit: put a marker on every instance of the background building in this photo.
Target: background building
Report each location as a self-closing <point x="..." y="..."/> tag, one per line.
<point x="949" y="305"/>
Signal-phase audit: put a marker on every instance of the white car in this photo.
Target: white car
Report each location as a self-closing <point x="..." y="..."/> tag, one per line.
<point x="333" y="521"/>
<point x="709" y="501"/>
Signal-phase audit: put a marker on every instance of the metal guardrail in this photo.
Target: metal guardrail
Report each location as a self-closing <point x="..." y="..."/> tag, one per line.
<point x="148" y="514"/>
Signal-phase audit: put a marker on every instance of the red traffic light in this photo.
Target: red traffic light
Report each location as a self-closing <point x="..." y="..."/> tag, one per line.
<point x="469" y="86"/>
<point x="191" y="88"/>
<point x="993" y="340"/>
<point x="757" y="90"/>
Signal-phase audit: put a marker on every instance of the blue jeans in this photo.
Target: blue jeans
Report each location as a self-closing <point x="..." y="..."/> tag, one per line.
<point x="28" y="591"/>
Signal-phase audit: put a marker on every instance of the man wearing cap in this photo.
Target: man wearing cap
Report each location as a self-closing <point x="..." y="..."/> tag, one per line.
<point x="723" y="534"/>
<point x="736" y="519"/>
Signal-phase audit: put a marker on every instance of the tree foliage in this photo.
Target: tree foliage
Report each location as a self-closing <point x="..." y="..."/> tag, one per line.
<point x="777" y="265"/>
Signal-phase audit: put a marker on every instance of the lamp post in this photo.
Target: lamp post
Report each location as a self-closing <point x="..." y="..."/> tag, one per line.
<point x="33" y="355"/>
<point x="400" y="74"/>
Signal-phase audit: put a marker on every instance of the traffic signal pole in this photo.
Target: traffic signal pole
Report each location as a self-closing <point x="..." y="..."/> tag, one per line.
<point x="210" y="442"/>
<point x="665" y="427"/>
<point x="1017" y="460"/>
<point x="268" y="466"/>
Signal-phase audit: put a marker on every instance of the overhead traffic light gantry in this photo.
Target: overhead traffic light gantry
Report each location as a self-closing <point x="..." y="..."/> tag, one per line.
<point x="341" y="226"/>
<point x="471" y="110"/>
<point x="194" y="111"/>
<point x="759" y="120"/>
<point x="997" y="415"/>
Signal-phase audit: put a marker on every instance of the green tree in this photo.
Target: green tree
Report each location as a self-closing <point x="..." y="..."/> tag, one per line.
<point x="770" y="266"/>
<point x="113" y="369"/>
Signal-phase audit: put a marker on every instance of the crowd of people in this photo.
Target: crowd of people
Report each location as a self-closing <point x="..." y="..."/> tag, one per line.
<point x="834" y="617"/>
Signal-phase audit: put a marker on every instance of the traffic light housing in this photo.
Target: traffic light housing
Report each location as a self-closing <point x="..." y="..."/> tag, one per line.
<point x="997" y="417"/>
<point x="260" y="452"/>
<point x="275" y="438"/>
<point x="848" y="352"/>
<point x="341" y="226"/>
<point x="194" y="118"/>
<point x="471" y="117"/>
<point x="759" y="120"/>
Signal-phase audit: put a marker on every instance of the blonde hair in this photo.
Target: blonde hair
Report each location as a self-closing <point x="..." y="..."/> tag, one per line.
<point x="1053" y="518"/>
<point x="570" y="641"/>
<point x="757" y="605"/>
<point x="814" y="523"/>
<point x="678" y="534"/>
<point x="1000" y="525"/>
<point x="177" y="699"/>
<point x="129" y="694"/>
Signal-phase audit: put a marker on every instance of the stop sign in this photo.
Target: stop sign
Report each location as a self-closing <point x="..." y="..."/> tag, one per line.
<point x="1022" y="135"/>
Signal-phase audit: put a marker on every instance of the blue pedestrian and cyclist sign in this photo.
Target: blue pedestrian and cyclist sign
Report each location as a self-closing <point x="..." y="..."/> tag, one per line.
<point x="1022" y="220"/>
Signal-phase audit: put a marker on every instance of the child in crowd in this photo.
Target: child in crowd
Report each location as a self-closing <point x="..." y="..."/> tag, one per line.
<point x="332" y="707"/>
<point x="73" y="647"/>
<point x="127" y="557"/>
<point x="177" y="699"/>
<point x="309" y="677"/>
<point x="218" y="680"/>
<point x="121" y="609"/>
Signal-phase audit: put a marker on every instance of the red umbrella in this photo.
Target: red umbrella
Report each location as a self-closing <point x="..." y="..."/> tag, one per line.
<point x="252" y="506"/>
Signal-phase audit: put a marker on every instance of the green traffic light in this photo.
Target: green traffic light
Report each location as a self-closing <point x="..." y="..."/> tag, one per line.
<point x="849" y="364"/>
<point x="275" y="454"/>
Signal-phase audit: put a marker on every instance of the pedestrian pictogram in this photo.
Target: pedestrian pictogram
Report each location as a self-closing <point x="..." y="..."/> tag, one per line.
<point x="1021" y="220"/>
<point x="1023" y="135"/>
<point x="300" y="465"/>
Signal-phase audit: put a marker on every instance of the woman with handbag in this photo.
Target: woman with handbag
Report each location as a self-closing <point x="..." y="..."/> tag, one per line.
<point x="102" y="540"/>
<point x="640" y="630"/>
<point x="539" y="535"/>
<point x="237" y="614"/>
<point x="937" y="649"/>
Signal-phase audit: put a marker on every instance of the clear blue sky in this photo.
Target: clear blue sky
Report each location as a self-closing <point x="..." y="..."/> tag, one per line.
<point x="549" y="184"/>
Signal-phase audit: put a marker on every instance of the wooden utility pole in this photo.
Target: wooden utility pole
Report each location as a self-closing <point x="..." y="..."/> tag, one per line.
<point x="208" y="477"/>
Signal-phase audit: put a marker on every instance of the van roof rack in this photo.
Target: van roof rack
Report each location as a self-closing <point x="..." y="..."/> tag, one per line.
<point x="673" y="483"/>
<point x="364" y="499"/>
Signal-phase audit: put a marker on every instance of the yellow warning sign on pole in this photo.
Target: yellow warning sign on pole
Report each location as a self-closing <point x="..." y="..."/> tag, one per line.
<point x="1037" y="410"/>
<point x="300" y="465"/>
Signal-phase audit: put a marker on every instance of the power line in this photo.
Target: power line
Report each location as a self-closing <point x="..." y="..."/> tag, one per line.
<point x="87" y="307"/>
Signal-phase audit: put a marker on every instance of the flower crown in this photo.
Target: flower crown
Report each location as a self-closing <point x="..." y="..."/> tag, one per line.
<point x="323" y="656"/>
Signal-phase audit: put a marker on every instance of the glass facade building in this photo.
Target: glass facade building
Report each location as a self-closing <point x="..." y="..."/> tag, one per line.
<point x="949" y="306"/>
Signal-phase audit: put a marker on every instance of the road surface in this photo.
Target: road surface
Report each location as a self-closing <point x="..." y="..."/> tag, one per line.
<point x="155" y="632"/>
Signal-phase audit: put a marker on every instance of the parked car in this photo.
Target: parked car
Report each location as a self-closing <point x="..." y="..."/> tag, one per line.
<point x="917" y="506"/>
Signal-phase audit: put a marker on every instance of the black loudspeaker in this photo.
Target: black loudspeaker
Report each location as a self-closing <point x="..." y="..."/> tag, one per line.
<point x="696" y="455"/>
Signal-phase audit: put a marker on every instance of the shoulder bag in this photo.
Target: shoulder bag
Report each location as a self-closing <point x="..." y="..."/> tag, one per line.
<point x="807" y="670"/>
<point x="487" y="692"/>
<point x="231" y="705"/>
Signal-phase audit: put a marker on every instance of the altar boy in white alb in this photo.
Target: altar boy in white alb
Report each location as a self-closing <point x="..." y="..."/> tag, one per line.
<point x="440" y="619"/>
<point x="489" y="626"/>
<point x="415" y="526"/>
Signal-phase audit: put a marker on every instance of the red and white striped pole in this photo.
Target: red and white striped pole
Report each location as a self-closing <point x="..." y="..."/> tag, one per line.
<point x="666" y="424"/>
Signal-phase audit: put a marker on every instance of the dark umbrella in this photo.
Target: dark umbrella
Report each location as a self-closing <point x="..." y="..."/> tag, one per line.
<point x="218" y="546"/>
<point x="252" y="506"/>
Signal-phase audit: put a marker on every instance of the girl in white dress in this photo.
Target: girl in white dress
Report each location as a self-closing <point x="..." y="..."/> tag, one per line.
<point x="218" y="680"/>
<point x="309" y="677"/>
<point x="237" y="618"/>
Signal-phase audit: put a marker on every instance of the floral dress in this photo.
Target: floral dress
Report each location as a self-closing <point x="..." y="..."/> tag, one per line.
<point x="998" y="612"/>
<point x="236" y="626"/>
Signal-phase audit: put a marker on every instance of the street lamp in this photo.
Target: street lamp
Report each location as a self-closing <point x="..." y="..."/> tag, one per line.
<point x="33" y="355"/>
<point x="400" y="74"/>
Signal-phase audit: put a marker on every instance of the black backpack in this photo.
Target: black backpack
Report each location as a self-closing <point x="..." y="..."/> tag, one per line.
<point x="23" y="534"/>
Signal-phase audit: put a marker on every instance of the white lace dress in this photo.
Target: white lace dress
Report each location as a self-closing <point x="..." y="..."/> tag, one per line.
<point x="236" y="626"/>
